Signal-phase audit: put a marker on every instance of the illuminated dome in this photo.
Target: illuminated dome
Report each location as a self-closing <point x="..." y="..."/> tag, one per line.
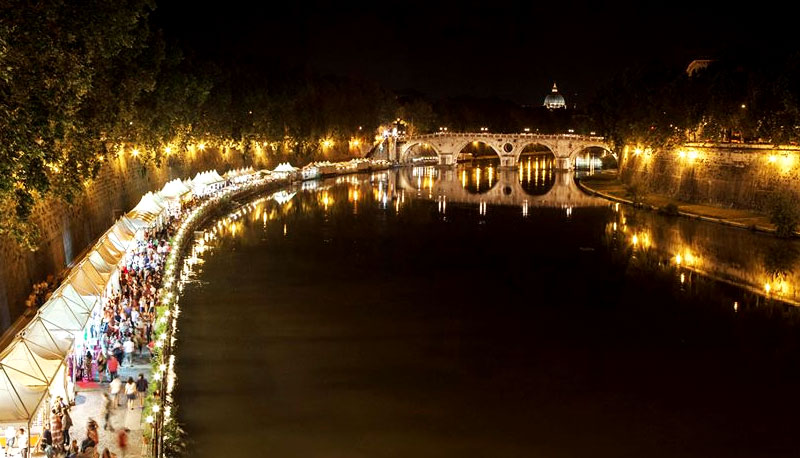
<point x="554" y="99"/>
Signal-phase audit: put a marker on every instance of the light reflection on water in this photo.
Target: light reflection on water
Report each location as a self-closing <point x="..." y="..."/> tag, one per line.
<point x="754" y="262"/>
<point x="403" y="287"/>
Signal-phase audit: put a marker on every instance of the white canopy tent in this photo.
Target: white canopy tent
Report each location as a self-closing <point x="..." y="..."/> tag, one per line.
<point x="33" y="366"/>
<point x="207" y="181"/>
<point x="30" y="369"/>
<point x="285" y="167"/>
<point x="174" y="190"/>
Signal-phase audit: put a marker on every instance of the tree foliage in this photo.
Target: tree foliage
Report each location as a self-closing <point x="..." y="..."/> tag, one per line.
<point x="69" y="82"/>
<point x="82" y="81"/>
<point x="743" y="95"/>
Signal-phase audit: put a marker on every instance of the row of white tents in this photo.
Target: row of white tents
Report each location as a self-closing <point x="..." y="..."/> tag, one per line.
<point x="33" y="367"/>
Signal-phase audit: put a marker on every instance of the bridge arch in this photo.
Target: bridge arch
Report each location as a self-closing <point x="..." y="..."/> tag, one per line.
<point x="591" y="155"/>
<point x="476" y="149"/>
<point x="534" y="148"/>
<point x="536" y="163"/>
<point x="410" y="149"/>
<point x="583" y="146"/>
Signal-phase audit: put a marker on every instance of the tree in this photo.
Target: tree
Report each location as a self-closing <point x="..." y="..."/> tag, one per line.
<point x="784" y="213"/>
<point x="61" y="80"/>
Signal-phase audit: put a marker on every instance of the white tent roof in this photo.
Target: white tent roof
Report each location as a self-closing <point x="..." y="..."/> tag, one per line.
<point x="284" y="167"/>
<point x="149" y="203"/>
<point x="27" y="369"/>
<point x="109" y="250"/>
<point x="123" y="232"/>
<point x="17" y="401"/>
<point x="43" y="341"/>
<point x="63" y="314"/>
<point x="86" y="281"/>
<point x="174" y="189"/>
<point x="103" y="268"/>
<point x="206" y="178"/>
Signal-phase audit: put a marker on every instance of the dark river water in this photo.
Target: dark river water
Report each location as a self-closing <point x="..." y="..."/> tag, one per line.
<point x="479" y="313"/>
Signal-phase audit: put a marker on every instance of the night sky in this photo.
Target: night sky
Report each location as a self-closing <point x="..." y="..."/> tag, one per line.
<point x="487" y="49"/>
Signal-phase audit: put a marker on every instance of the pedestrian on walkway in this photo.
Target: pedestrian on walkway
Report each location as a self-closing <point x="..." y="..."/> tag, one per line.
<point x="118" y="352"/>
<point x="102" y="364"/>
<point x="141" y="389"/>
<point x="108" y="409"/>
<point x="122" y="441"/>
<point x="11" y="437"/>
<point x="113" y="366"/>
<point x="130" y="392"/>
<point x="56" y="427"/>
<point x="92" y="438"/>
<point x="87" y="367"/>
<point x="22" y="443"/>
<point x="128" y="347"/>
<point x="115" y="388"/>
<point x="66" y="424"/>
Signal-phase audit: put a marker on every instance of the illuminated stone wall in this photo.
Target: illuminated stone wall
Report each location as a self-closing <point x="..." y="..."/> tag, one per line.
<point x="739" y="176"/>
<point x="68" y="230"/>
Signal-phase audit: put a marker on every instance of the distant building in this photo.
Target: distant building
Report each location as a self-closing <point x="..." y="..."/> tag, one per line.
<point x="554" y="100"/>
<point x="697" y="65"/>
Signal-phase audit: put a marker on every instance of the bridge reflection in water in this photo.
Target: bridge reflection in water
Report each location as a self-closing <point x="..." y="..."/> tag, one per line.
<point x="529" y="185"/>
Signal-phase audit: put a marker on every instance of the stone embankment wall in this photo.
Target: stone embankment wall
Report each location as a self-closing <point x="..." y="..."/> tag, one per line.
<point x="730" y="175"/>
<point x="67" y="230"/>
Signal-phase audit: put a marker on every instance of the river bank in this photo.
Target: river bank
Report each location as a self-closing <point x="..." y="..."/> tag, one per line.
<point x="608" y="186"/>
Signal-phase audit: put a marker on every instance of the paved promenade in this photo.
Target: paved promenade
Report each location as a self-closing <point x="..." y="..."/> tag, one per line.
<point x="89" y="404"/>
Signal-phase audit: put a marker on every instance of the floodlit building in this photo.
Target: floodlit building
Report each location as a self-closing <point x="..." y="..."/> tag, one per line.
<point x="554" y="100"/>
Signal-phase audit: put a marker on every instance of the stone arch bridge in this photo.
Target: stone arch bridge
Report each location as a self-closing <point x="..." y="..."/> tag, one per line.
<point x="509" y="147"/>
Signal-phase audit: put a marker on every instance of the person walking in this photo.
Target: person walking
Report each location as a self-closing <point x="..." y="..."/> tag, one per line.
<point x="130" y="392"/>
<point x="113" y="366"/>
<point x="11" y="437"/>
<point x="102" y="364"/>
<point x="56" y="427"/>
<point x="128" y="348"/>
<point x="115" y="388"/>
<point x="108" y="409"/>
<point x="92" y="437"/>
<point x="141" y="389"/>
<point x="122" y="441"/>
<point x="66" y="424"/>
<point x="87" y="367"/>
<point x="22" y="443"/>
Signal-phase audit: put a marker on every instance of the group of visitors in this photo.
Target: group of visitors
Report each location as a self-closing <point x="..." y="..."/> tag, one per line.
<point x="125" y="326"/>
<point x="113" y="337"/>
<point x="41" y="291"/>
<point x="122" y="330"/>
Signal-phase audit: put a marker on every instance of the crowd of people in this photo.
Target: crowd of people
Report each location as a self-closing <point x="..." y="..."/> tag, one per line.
<point x="40" y="293"/>
<point x="122" y="330"/>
